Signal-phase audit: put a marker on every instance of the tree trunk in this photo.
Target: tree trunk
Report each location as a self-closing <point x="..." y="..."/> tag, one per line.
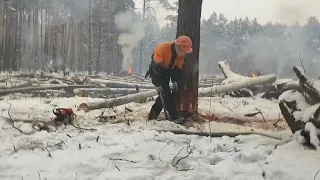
<point x="89" y="41"/>
<point x="98" y="60"/>
<point x="189" y="18"/>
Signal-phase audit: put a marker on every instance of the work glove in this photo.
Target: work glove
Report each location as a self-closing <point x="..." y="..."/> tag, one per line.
<point x="175" y="86"/>
<point x="158" y="89"/>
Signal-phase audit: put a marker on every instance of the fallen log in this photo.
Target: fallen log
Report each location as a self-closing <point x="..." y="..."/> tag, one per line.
<point x="16" y="85"/>
<point x="108" y="91"/>
<point x="268" y="90"/>
<point x="139" y="77"/>
<point x="117" y="84"/>
<point x="37" y="88"/>
<point x="202" y="92"/>
<point x="229" y="87"/>
<point x="3" y="79"/>
<point x="218" y="134"/>
<point x="44" y="75"/>
<point x="117" y="101"/>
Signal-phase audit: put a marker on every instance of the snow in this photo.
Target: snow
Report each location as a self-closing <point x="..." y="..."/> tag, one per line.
<point x="239" y="107"/>
<point x="301" y="104"/>
<point x="117" y="150"/>
<point x="146" y="154"/>
<point x="305" y="111"/>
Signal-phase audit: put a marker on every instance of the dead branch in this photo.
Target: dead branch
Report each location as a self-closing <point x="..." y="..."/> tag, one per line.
<point x="294" y="104"/>
<point x="261" y="114"/>
<point x="14" y="147"/>
<point x="307" y="85"/>
<point x="85" y="129"/>
<point x="304" y="70"/>
<point x="49" y="154"/>
<point x="176" y="162"/>
<point x="122" y="159"/>
<point x="314" y="178"/>
<point x="11" y="122"/>
<point x="117" y="167"/>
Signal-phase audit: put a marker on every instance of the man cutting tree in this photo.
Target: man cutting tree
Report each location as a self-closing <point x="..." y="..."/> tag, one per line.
<point x="167" y="62"/>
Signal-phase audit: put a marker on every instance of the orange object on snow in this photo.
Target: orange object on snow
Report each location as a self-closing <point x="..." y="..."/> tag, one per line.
<point x="64" y="115"/>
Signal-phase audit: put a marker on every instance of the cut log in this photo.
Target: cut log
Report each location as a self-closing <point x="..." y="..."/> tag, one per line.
<point x="37" y="88"/>
<point x="117" y="101"/>
<point x="236" y="85"/>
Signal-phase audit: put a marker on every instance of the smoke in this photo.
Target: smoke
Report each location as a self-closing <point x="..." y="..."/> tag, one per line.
<point x="133" y="31"/>
<point x="279" y="55"/>
<point x="289" y="12"/>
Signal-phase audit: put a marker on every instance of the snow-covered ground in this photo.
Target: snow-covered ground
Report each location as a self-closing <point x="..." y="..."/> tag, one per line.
<point x="118" y="150"/>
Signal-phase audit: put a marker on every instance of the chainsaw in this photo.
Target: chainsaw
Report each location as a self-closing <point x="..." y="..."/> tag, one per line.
<point x="64" y="116"/>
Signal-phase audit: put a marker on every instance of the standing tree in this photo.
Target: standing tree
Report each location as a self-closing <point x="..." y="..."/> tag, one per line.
<point x="189" y="20"/>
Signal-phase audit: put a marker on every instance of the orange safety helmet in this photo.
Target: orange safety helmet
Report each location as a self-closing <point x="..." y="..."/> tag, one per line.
<point x="184" y="43"/>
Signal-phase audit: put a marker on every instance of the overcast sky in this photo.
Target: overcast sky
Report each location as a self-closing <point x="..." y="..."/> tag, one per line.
<point x="284" y="11"/>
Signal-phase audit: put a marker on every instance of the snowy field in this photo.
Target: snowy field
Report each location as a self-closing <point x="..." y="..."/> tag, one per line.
<point x="129" y="148"/>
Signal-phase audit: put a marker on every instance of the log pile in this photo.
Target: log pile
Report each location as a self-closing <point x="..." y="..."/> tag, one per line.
<point x="41" y="84"/>
<point x="301" y="109"/>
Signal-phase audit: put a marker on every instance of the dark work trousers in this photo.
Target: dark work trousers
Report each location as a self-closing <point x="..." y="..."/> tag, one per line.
<point x="168" y="98"/>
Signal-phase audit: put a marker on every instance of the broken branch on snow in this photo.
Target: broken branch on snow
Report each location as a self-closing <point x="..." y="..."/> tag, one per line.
<point x="301" y="114"/>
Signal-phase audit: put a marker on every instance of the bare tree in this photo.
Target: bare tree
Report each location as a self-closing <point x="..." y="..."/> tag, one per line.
<point x="75" y="34"/>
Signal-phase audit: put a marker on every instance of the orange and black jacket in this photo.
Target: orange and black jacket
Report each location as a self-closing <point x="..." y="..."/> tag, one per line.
<point x="165" y="64"/>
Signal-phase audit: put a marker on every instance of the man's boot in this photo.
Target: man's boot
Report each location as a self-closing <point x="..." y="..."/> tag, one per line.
<point x="152" y="115"/>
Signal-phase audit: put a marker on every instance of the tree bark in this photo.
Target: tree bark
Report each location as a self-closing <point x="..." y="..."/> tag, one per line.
<point x="189" y="18"/>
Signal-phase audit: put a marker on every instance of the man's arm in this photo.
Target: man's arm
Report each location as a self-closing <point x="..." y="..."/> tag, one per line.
<point x="176" y="75"/>
<point x="156" y="68"/>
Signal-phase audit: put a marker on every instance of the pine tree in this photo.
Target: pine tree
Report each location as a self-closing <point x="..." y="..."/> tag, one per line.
<point x="189" y="20"/>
